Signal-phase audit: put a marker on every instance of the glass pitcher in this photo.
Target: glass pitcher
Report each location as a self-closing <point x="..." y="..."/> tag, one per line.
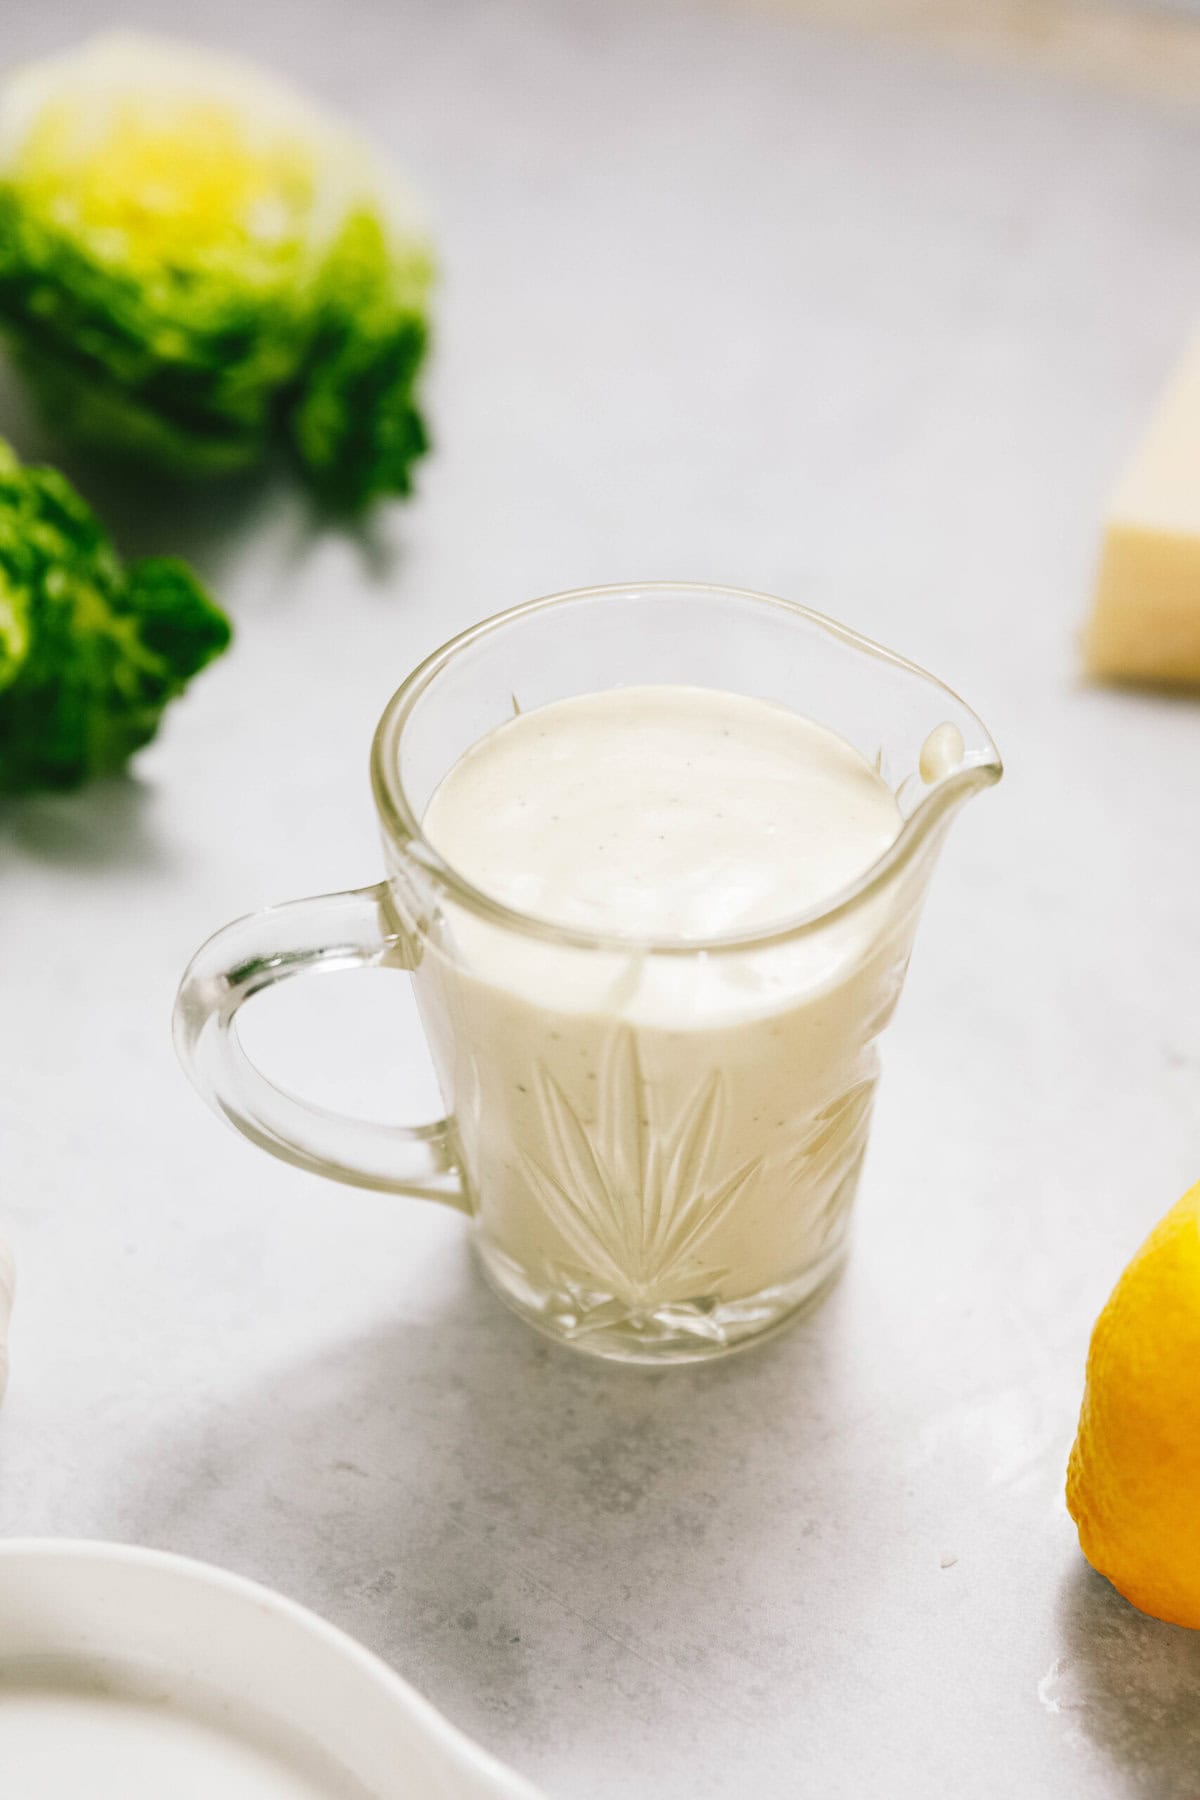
<point x="657" y="1142"/>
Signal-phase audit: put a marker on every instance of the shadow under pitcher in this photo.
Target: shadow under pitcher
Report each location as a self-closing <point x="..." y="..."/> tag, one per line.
<point x="657" y="1138"/>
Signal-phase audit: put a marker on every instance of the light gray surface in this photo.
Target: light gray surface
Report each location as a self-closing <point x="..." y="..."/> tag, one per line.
<point x="727" y="300"/>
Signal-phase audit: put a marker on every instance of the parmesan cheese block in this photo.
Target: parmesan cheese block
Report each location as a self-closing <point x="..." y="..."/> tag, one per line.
<point x="1145" y="623"/>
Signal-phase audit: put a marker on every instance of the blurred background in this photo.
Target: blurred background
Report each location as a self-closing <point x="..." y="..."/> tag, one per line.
<point x="863" y="302"/>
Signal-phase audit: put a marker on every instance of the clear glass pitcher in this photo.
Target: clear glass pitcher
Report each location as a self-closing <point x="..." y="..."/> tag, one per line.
<point x="658" y="1143"/>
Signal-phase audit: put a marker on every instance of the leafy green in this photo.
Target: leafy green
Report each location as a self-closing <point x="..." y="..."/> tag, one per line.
<point x="354" y="424"/>
<point x="90" y="654"/>
<point x="197" y="267"/>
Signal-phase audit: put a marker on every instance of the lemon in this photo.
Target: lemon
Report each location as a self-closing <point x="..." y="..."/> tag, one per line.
<point x="1133" y="1485"/>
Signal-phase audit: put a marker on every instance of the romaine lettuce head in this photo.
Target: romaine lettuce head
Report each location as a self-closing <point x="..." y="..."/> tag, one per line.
<point x="90" y="653"/>
<point x="197" y="264"/>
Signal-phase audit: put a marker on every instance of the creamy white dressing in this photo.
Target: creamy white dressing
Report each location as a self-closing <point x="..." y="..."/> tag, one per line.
<point x="662" y="812"/>
<point x="672" y="1137"/>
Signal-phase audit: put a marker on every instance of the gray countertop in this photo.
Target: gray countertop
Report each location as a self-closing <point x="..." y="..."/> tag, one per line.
<point x="725" y="297"/>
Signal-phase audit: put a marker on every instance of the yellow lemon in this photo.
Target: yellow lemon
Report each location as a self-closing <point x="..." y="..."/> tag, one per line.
<point x="1133" y="1486"/>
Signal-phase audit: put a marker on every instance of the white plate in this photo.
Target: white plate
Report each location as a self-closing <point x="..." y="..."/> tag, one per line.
<point x="130" y="1675"/>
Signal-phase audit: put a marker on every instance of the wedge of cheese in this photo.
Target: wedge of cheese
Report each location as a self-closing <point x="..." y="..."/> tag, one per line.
<point x="1145" y="623"/>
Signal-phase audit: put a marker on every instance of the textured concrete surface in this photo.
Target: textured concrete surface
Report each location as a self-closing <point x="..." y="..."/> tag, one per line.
<point x="1148" y="47"/>
<point x="725" y="297"/>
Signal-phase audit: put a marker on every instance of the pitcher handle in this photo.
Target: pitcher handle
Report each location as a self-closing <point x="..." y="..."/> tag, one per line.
<point x="354" y="930"/>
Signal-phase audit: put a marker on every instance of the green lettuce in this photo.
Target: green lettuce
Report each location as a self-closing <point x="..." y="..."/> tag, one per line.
<point x="90" y="653"/>
<point x="198" y="267"/>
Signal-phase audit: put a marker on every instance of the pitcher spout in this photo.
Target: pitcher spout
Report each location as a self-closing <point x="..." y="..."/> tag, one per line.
<point x="934" y="753"/>
<point x="951" y="767"/>
<point x="957" y="759"/>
